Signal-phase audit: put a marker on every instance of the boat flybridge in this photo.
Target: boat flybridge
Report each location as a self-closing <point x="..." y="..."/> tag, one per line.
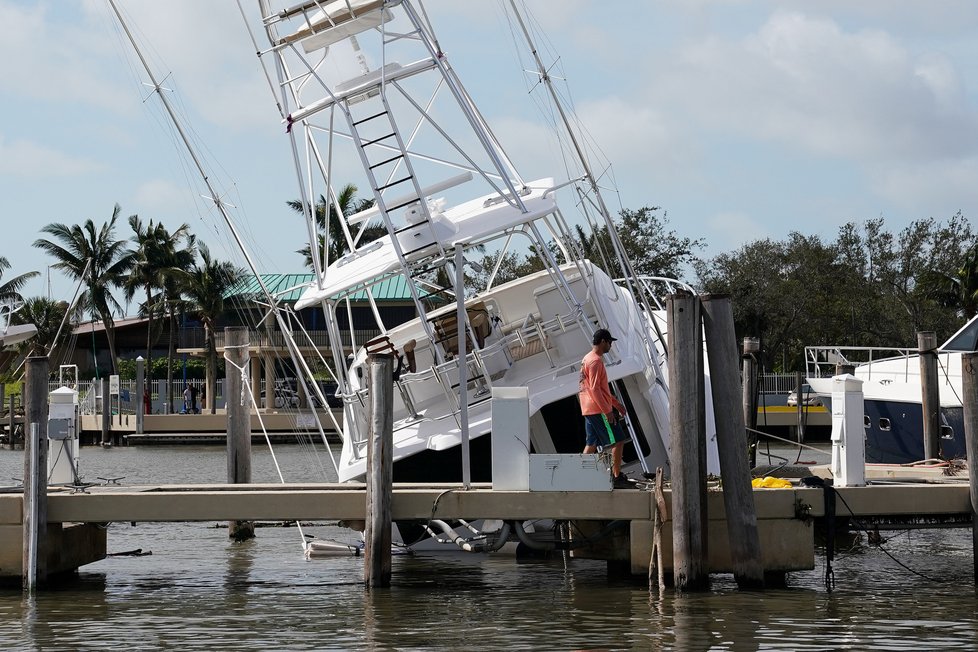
<point x="368" y="96"/>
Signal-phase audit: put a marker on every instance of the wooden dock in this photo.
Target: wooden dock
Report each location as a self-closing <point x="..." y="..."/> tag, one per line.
<point x="785" y="516"/>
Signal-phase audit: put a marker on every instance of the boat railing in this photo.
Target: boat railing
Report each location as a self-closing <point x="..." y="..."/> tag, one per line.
<point x="657" y="287"/>
<point x="521" y="337"/>
<point x="826" y="361"/>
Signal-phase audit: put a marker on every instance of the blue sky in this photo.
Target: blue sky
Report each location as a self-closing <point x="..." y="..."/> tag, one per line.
<point x="742" y="119"/>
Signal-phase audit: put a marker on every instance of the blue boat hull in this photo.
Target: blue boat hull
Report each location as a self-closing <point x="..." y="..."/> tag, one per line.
<point x="895" y="433"/>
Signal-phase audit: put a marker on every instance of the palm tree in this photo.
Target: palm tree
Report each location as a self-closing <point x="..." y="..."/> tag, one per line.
<point x="107" y="260"/>
<point x="958" y="290"/>
<point x="326" y="220"/>
<point x="47" y="316"/>
<point x="203" y="286"/>
<point x="11" y="288"/>
<point x="157" y="251"/>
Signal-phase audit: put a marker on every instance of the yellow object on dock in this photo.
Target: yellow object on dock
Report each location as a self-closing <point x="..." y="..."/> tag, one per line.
<point x="769" y="482"/>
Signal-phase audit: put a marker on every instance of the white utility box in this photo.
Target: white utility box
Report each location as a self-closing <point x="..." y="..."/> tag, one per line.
<point x="569" y="472"/>
<point x="63" y="436"/>
<point x="848" y="432"/>
<point x="510" y="438"/>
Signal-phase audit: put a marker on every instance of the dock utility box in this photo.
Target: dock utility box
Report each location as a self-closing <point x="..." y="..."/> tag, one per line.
<point x="569" y="472"/>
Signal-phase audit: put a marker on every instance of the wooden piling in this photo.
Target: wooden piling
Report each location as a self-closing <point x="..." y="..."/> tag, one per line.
<point x="969" y="387"/>
<point x="685" y="401"/>
<point x="238" y="422"/>
<point x="752" y="347"/>
<point x="738" y="495"/>
<point x="380" y="472"/>
<point x="106" y="412"/>
<point x="35" y="515"/>
<point x="930" y="393"/>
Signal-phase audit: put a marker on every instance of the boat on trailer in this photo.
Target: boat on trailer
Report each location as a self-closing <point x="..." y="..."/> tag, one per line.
<point x="367" y="82"/>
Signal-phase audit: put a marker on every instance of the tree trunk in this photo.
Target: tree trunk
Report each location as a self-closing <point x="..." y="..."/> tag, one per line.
<point x="149" y="333"/>
<point x="110" y="336"/>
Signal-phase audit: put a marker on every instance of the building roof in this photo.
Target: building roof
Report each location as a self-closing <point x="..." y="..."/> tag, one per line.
<point x="289" y="287"/>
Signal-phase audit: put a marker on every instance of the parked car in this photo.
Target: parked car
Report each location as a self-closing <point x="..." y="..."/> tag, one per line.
<point x="285" y="397"/>
<point x="809" y="397"/>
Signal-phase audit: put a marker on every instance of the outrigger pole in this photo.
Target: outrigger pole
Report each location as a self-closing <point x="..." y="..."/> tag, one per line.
<point x="219" y="204"/>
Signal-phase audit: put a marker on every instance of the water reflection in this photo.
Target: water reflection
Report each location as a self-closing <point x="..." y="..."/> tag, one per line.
<point x="199" y="591"/>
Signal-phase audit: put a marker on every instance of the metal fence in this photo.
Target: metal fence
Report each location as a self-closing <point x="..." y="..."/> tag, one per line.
<point x="195" y="338"/>
<point x="778" y="383"/>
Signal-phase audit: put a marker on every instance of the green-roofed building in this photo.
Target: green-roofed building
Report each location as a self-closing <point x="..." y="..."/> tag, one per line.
<point x="246" y="305"/>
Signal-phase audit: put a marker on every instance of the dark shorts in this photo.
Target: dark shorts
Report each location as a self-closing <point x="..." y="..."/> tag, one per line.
<point x="600" y="432"/>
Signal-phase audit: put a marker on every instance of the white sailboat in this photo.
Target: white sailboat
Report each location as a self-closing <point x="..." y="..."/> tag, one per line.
<point x="365" y="83"/>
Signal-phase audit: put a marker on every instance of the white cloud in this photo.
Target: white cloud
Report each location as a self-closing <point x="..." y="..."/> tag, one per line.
<point x="22" y="158"/>
<point x="937" y="189"/>
<point x="734" y="228"/>
<point x="159" y="194"/>
<point x="806" y="83"/>
<point x="52" y="55"/>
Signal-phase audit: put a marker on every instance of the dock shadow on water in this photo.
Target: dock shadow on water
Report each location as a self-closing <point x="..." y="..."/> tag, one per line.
<point x="200" y="591"/>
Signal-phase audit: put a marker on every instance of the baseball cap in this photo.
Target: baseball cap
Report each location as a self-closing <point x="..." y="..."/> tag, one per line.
<point x="602" y="335"/>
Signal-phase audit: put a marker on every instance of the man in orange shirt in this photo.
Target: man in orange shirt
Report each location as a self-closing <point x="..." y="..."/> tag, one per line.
<point x="600" y="408"/>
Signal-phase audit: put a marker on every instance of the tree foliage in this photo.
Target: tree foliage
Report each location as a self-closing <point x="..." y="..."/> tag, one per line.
<point x="329" y="225"/>
<point x="108" y="261"/>
<point x="12" y="286"/>
<point x="46" y="315"/>
<point x="868" y="287"/>
<point x="652" y="249"/>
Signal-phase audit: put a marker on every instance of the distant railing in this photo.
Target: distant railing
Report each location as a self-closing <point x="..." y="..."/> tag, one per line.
<point x="195" y="338"/>
<point x="778" y="383"/>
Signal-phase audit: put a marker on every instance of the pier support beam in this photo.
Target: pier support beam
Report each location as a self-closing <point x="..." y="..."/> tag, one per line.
<point x="969" y="390"/>
<point x="106" y="413"/>
<point x="380" y="471"/>
<point x="11" y="420"/>
<point x="930" y="393"/>
<point x="255" y="382"/>
<point x="239" y="422"/>
<point x="752" y="347"/>
<point x="140" y="390"/>
<point x="738" y="495"/>
<point x="687" y="428"/>
<point x="269" y="360"/>
<point x="35" y="515"/>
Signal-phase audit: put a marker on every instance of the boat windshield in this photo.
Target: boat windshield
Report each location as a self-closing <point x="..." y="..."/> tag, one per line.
<point x="965" y="339"/>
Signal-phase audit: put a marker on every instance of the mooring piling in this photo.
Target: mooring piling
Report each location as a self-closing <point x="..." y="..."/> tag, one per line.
<point x="686" y="426"/>
<point x="930" y="393"/>
<point x="35" y="506"/>
<point x="752" y="347"/>
<point x="380" y="471"/>
<point x="738" y="495"/>
<point x="238" y="421"/>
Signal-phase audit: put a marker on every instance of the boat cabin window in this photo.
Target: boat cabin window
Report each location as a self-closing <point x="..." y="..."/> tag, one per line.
<point x="947" y="432"/>
<point x="867" y="423"/>
<point x="884" y="424"/>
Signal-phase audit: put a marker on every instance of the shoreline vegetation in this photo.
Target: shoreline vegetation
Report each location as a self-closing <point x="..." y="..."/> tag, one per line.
<point x="866" y="287"/>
